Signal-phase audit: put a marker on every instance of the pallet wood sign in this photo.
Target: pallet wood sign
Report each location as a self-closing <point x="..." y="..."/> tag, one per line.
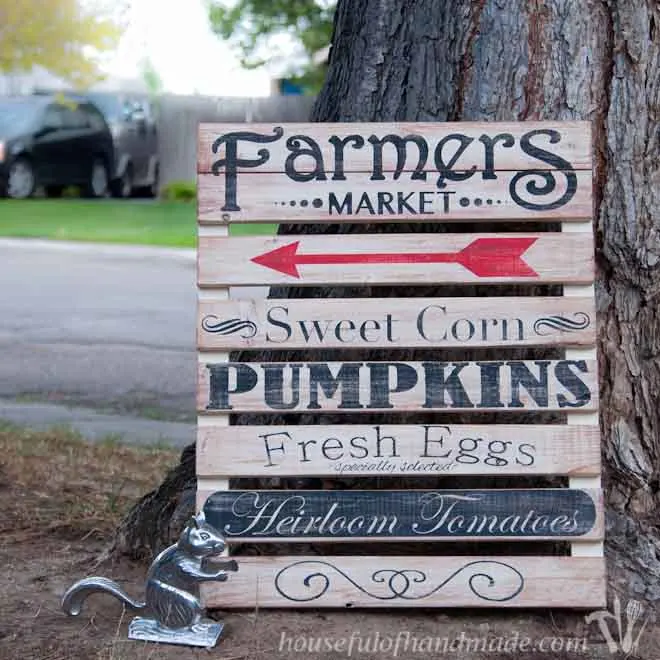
<point x="400" y="259"/>
<point x="403" y="449"/>
<point x="410" y="386"/>
<point x="401" y="172"/>
<point x="395" y="323"/>
<point x="403" y="515"/>
<point x="404" y="172"/>
<point x="405" y="581"/>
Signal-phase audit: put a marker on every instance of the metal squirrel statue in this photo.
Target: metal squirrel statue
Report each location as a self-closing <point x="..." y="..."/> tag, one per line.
<point x="172" y="590"/>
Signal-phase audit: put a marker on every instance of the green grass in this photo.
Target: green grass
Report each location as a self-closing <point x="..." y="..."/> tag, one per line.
<point x="168" y="224"/>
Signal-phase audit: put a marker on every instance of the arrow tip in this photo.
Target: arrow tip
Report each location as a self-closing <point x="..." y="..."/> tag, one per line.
<point x="498" y="256"/>
<point x="281" y="259"/>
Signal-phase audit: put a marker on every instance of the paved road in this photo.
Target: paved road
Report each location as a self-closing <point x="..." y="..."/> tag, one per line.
<point x="111" y="328"/>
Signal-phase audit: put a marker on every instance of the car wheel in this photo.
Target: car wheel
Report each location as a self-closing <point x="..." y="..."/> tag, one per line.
<point x="151" y="191"/>
<point x="22" y="181"/>
<point x="98" y="183"/>
<point x="123" y="187"/>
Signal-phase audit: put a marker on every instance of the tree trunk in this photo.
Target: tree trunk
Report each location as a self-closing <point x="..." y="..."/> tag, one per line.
<point x="433" y="60"/>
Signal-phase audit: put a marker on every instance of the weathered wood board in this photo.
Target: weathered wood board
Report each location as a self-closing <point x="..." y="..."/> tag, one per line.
<point x="405" y="515"/>
<point x="595" y="549"/>
<point x="395" y="323"/>
<point x="390" y="450"/>
<point x="405" y="581"/>
<point x="565" y="385"/>
<point x="393" y="172"/>
<point x="396" y="259"/>
<point x="274" y="197"/>
<point x="354" y="147"/>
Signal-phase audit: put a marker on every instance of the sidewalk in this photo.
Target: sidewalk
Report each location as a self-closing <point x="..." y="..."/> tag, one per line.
<point x="123" y="251"/>
<point x="102" y="249"/>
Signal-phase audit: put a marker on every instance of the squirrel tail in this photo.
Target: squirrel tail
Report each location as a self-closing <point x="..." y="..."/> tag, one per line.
<point x="73" y="599"/>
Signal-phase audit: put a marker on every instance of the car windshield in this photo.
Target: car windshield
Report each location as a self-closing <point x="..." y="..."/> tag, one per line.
<point x="17" y="116"/>
<point x="109" y="105"/>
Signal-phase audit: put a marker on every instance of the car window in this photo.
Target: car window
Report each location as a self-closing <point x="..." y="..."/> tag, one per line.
<point x="18" y="115"/>
<point x="75" y="119"/>
<point x="148" y="110"/>
<point x="54" y="117"/>
<point x="95" y="118"/>
<point x="131" y="107"/>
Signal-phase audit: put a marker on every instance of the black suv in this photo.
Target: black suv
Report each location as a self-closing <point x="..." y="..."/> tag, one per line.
<point x="133" y="122"/>
<point x="54" y="142"/>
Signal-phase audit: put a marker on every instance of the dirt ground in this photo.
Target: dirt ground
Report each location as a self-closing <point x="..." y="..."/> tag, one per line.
<point x="61" y="500"/>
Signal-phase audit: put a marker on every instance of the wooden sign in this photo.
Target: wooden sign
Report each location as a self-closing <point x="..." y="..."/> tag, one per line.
<point x="358" y="515"/>
<point x="389" y="172"/>
<point x="470" y="145"/>
<point x="392" y="450"/>
<point x="400" y="173"/>
<point x="396" y="259"/>
<point x="395" y="323"/>
<point x="412" y="581"/>
<point x="273" y="198"/>
<point x="566" y="385"/>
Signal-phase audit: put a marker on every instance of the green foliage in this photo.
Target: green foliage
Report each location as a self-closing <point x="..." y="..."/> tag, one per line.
<point x="179" y="191"/>
<point x="151" y="77"/>
<point x="66" y="37"/>
<point x="254" y="27"/>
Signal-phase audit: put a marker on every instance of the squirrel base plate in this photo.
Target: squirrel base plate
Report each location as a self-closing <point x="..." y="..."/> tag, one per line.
<point x="172" y="609"/>
<point x="205" y="633"/>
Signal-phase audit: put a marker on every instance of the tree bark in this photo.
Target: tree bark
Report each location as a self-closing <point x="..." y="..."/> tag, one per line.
<point x="442" y="60"/>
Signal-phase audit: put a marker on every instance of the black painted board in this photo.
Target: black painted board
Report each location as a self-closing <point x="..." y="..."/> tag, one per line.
<point x="418" y="514"/>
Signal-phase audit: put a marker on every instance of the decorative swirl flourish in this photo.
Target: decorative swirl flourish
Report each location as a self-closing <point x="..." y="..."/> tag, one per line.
<point x="560" y="167"/>
<point x="213" y="325"/>
<point x="545" y="324"/>
<point x="400" y="581"/>
<point x="536" y="189"/>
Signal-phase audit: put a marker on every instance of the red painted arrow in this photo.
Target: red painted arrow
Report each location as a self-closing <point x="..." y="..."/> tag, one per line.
<point x="485" y="257"/>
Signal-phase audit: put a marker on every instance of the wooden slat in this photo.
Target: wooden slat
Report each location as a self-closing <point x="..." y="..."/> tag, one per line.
<point x="390" y="450"/>
<point x="222" y="420"/>
<point x="405" y="515"/>
<point x="400" y="581"/>
<point x="407" y="386"/>
<point x="395" y="323"/>
<point x="274" y="197"/>
<point x="574" y="145"/>
<point x="395" y="259"/>
<point x="595" y="549"/>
